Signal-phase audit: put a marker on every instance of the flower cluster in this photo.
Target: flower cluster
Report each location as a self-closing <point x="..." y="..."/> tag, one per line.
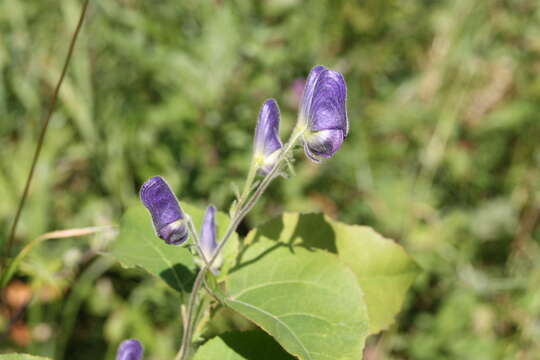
<point x="322" y="126"/>
<point x="323" y="116"/>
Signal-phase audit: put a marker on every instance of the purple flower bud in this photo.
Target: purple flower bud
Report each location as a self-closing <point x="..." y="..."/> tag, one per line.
<point x="267" y="143"/>
<point x="130" y="350"/>
<point x="208" y="241"/>
<point x="167" y="216"/>
<point x="324" y="113"/>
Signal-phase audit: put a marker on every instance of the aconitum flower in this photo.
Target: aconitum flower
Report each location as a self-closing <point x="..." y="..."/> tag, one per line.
<point x="167" y="216"/>
<point x="130" y="350"/>
<point x="208" y="240"/>
<point x="267" y="144"/>
<point x="324" y="113"/>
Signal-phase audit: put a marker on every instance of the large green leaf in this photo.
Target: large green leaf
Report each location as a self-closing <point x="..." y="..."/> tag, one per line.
<point x="21" y="357"/>
<point x="138" y="245"/>
<point x="382" y="268"/>
<point x="307" y="300"/>
<point x="248" y="345"/>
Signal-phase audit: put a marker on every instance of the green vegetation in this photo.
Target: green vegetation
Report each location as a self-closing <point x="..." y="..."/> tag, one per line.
<point x="443" y="156"/>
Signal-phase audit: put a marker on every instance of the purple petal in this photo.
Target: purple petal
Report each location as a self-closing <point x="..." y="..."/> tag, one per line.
<point x="310" y="155"/>
<point x="327" y="109"/>
<point x="160" y="201"/>
<point x="323" y="143"/>
<point x="267" y="139"/>
<point x="310" y="87"/>
<point x="208" y="233"/>
<point x="175" y="233"/>
<point x="130" y="350"/>
<point x="208" y="239"/>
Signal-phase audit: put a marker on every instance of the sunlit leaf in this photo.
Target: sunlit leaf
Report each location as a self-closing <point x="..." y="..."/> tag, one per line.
<point x="307" y="300"/>
<point x="383" y="269"/>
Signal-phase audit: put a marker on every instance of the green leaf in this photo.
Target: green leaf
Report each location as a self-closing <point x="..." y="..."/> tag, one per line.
<point x="138" y="245"/>
<point x="248" y="345"/>
<point x="21" y="357"/>
<point x="383" y="269"/>
<point x="216" y="348"/>
<point x="307" y="300"/>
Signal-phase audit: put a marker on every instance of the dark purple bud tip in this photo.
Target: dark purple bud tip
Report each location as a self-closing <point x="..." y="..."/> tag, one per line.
<point x="208" y="238"/>
<point x="130" y="350"/>
<point x="324" y="113"/>
<point x="167" y="216"/>
<point x="267" y="143"/>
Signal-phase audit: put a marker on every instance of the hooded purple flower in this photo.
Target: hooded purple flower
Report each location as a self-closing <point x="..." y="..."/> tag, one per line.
<point x="208" y="242"/>
<point x="324" y="113"/>
<point x="267" y="144"/>
<point x="167" y="216"/>
<point x="130" y="350"/>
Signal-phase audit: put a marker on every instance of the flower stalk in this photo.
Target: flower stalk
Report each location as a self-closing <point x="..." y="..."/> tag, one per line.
<point x="244" y="205"/>
<point x="322" y="125"/>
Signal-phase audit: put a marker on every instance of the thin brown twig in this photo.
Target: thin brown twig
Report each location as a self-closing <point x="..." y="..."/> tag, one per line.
<point x="41" y="139"/>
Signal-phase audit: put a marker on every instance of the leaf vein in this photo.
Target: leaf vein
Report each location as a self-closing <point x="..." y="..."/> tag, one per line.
<point x="272" y="283"/>
<point x="284" y="324"/>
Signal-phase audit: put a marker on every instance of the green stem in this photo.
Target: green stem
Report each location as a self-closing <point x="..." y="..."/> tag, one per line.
<point x="247" y="185"/>
<point x="41" y="139"/>
<point x="195" y="236"/>
<point x="239" y="215"/>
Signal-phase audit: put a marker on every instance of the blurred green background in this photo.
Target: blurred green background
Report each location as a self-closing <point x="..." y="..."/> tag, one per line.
<point x="443" y="155"/>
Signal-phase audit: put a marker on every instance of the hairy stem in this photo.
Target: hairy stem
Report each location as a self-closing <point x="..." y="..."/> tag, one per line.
<point x="247" y="186"/>
<point x="195" y="237"/>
